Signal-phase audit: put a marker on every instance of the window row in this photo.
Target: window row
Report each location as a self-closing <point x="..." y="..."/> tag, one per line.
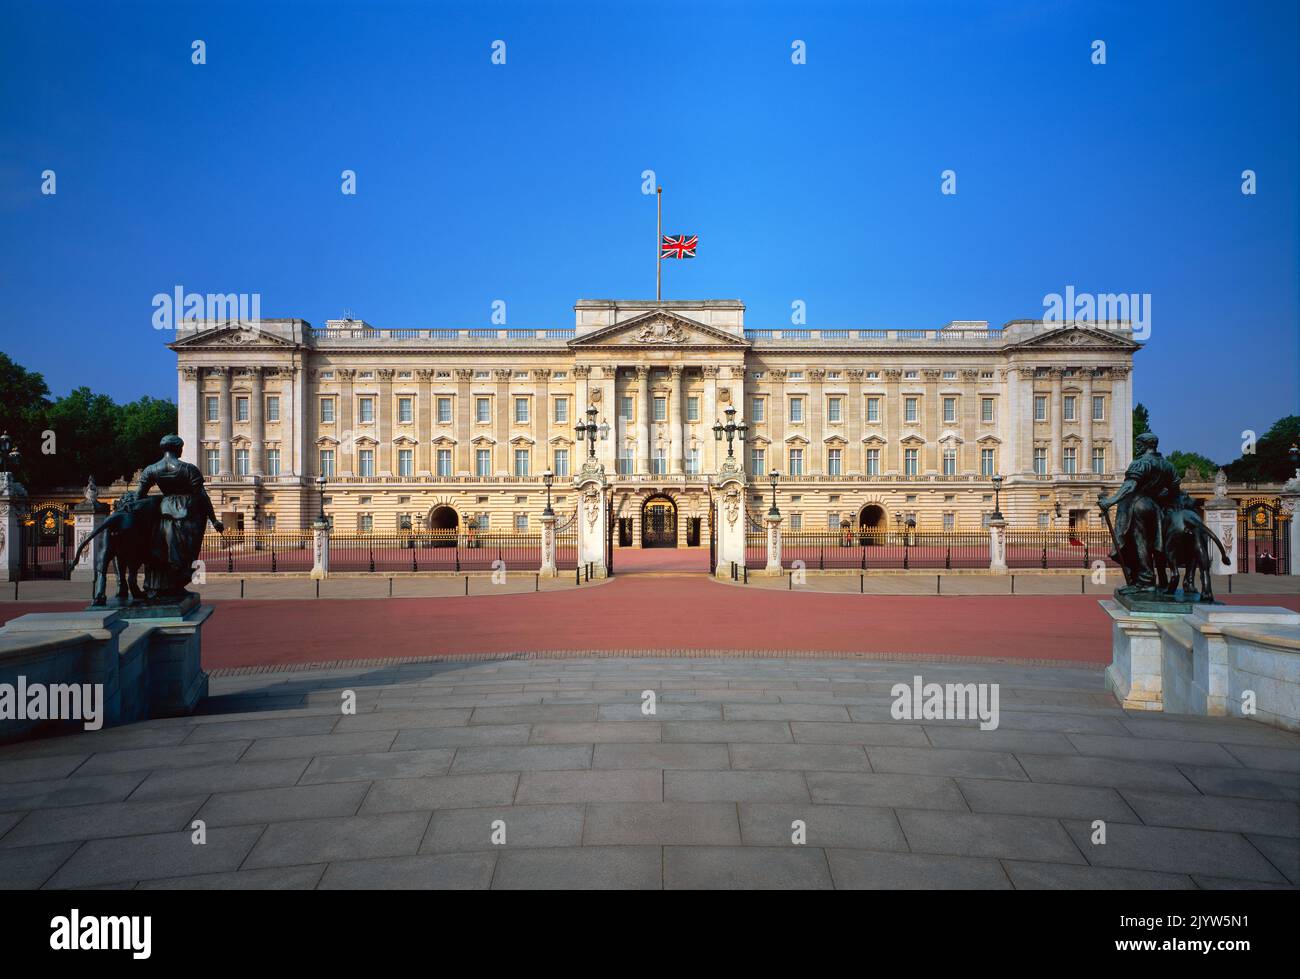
<point x="834" y="462"/>
<point x="1070" y="461"/>
<point x="1069" y="408"/>
<point x="444" y="463"/>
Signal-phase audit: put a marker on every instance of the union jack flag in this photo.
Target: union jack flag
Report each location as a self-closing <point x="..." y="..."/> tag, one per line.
<point x="678" y="246"/>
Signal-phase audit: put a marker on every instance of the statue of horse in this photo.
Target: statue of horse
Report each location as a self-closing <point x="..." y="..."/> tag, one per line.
<point x="130" y="529"/>
<point x="1187" y="548"/>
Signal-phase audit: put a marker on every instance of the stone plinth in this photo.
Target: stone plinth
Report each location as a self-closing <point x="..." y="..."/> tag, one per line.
<point x="13" y="500"/>
<point x="593" y="517"/>
<point x="729" y="518"/>
<point x="773" y="521"/>
<point x="548" y="568"/>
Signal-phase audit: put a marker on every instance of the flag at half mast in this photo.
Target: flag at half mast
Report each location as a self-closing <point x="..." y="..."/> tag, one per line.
<point x="678" y="246"/>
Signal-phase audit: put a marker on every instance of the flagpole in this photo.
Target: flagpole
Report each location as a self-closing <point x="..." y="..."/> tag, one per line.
<point x="659" y="237"/>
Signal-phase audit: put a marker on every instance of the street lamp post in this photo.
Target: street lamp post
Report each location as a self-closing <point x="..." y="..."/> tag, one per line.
<point x="733" y="430"/>
<point x="548" y="478"/>
<point x="775" y="477"/>
<point x="997" y="498"/>
<point x="589" y="430"/>
<point x="320" y="485"/>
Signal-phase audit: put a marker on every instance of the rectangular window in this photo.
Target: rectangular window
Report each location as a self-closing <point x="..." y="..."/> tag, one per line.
<point x="1068" y="413"/>
<point x="444" y="462"/>
<point x="950" y="462"/>
<point x="561" y="410"/>
<point x="444" y="411"/>
<point x="273" y="462"/>
<point x="909" y="409"/>
<point x="561" y="463"/>
<point x="873" y="462"/>
<point x="211" y="408"/>
<point x="521" y="462"/>
<point x="483" y="410"/>
<point x="986" y="462"/>
<point x="521" y="411"/>
<point x="796" y="409"/>
<point x="1069" y="461"/>
<point x="213" y="457"/>
<point x="796" y="462"/>
<point x="241" y="409"/>
<point x="521" y="523"/>
<point x="327" y="411"/>
<point x="949" y="409"/>
<point x="483" y="462"/>
<point x="1098" y="408"/>
<point x="366" y="411"/>
<point x="625" y="408"/>
<point x="365" y="523"/>
<point x="986" y="409"/>
<point x="758" y="462"/>
<point x="624" y="462"/>
<point x="757" y="407"/>
<point x="693" y="459"/>
<point x="909" y="462"/>
<point x="949" y="521"/>
<point x="692" y="408"/>
<point x="659" y="464"/>
<point x="1040" y="462"/>
<point x="406" y="462"/>
<point x="796" y="521"/>
<point x="273" y="408"/>
<point x="1098" y="461"/>
<point x="661" y="409"/>
<point x="241" y="462"/>
<point x="873" y="409"/>
<point x="833" y="410"/>
<point x="833" y="462"/>
<point x="366" y="462"/>
<point x="327" y="462"/>
<point x="1040" y="408"/>
<point x="832" y="521"/>
<point x="1044" y="521"/>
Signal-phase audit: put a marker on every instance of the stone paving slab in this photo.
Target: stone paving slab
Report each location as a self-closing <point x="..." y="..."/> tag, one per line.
<point x="750" y="774"/>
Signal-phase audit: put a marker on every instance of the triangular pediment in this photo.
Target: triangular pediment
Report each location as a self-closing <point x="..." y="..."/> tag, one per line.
<point x="232" y="335"/>
<point x="1076" y="336"/>
<point x="659" y="328"/>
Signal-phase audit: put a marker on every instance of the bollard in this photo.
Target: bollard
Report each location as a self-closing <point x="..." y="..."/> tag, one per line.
<point x="862" y="584"/>
<point x="390" y="587"/>
<point x="318" y="588"/>
<point x="466" y="584"/>
<point x="1082" y="586"/>
<point x="241" y="587"/>
<point x="1013" y="584"/>
<point x="537" y="579"/>
<point x="938" y="587"/>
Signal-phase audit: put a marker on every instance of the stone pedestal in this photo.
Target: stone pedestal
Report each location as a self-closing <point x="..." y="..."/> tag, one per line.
<point x="13" y="503"/>
<point x="593" y="517"/>
<point x="1291" y="497"/>
<point x="87" y="516"/>
<point x="320" y="543"/>
<point x="1221" y="518"/>
<point x="773" y="521"/>
<point x="729" y="517"/>
<point x="548" y="568"/>
<point x="997" y="545"/>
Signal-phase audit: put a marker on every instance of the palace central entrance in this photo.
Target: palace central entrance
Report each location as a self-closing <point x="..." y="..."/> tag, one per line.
<point x="659" y="522"/>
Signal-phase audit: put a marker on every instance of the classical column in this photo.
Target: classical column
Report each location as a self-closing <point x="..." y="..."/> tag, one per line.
<point x="933" y="423"/>
<point x="737" y="372"/>
<point x="226" y="409"/>
<point x="291" y="420"/>
<point x="346" y="436"/>
<point x="855" y="463"/>
<point x="504" y="462"/>
<point x="1057" y="408"/>
<point x="1025" y="420"/>
<point x="892" y="464"/>
<point x="816" y="419"/>
<point x="1121" y="419"/>
<point x="776" y="414"/>
<point x="968" y="411"/>
<point x="1084" y="465"/>
<point x="709" y="414"/>
<point x="675" y="420"/>
<point x="464" y="430"/>
<point x="189" y="408"/>
<point x="644" y="411"/>
<point x="542" y="420"/>
<point x="384" y="464"/>
<point x="257" y="420"/>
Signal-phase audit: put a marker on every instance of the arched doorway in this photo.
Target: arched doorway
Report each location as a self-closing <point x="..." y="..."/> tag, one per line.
<point x="871" y="523"/>
<point x="659" y="522"/>
<point x="444" y="522"/>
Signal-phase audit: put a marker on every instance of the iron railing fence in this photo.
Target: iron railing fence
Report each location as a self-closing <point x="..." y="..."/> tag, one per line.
<point x="1036" y="548"/>
<point x="566" y="551"/>
<point x="257" y="551"/>
<point x="435" y="551"/>
<point x="864" y="549"/>
<point x="755" y="550"/>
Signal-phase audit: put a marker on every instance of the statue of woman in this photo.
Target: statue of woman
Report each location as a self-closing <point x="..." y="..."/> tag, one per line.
<point x="183" y="510"/>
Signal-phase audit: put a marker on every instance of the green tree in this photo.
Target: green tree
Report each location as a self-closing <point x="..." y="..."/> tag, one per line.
<point x="1271" y="461"/>
<point x="1141" y="420"/>
<point x="1182" y="461"/>
<point x="24" y="396"/>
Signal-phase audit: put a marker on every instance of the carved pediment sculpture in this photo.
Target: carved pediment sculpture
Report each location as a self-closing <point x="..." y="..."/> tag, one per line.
<point x="661" y="331"/>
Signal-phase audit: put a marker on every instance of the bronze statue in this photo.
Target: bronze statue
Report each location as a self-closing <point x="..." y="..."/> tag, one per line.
<point x="162" y="532"/>
<point x="1156" y="528"/>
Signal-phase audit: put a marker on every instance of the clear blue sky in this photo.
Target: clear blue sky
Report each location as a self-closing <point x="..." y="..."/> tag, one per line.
<point x="522" y="182"/>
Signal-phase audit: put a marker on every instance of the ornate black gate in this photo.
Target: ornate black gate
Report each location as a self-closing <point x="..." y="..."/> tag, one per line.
<point x="659" y="522"/>
<point x="47" y="541"/>
<point x="1263" y="539"/>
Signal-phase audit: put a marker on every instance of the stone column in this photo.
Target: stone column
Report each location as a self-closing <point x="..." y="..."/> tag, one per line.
<point x="968" y="411"/>
<point x="257" y="422"/>
<point x="593" y="517"/>
<point x="644" y="411"/>
<point x="504" y="462"/>
<point x="729" y="519"/>
<point x="347" y="436"/>
<point x="548" y="568"/>
<point x="776" y="414"/>
<point x="189" y="409"/>
<point x="1121" y="419"/>
<point x="463" y="412"/>
<point x="542" y="420"/>
<point x="997" y="545"/>
<point x="773" y="521"/>
<point x="87" y="516"/>
<point x="737" y="385"/>
<point x="13" y="501"/>
<point x="296" y="425"/>
<point x="1025" y="446"/>
<point x="892" y="463"/>
<point x="855" y="463"/>
<point x="1221" y="518"/>
<point x="709" y="415"/>
<point x="1056" y="407"/>
<point x="675" y="420"/>
<point x="1085" y="422"/>
<point x="1290" y="497"/>
<point x="384" y="464"/>
<point x="424" y="403"/>
<point x="933" y="421"/>
<point x="320" y="537"/>
<point x="816" y="422"/>
<point x="226" y="412"/>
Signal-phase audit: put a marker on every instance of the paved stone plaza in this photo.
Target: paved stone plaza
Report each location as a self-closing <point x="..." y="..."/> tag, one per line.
<point x="591" y="793"/>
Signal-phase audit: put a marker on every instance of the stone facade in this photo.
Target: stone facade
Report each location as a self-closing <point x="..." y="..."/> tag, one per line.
<point x="435" y="427"/>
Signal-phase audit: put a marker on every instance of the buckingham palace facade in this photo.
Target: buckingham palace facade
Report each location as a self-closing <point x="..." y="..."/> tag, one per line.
<point x="427" y="429"/>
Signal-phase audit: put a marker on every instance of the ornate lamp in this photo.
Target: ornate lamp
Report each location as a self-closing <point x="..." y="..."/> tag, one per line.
<point x="548" y="478"/>
<point x="589" y="431"/>
<point x="997" y="508"/>
<point x="775" y="477"/>
<point x="320" y="485"/>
